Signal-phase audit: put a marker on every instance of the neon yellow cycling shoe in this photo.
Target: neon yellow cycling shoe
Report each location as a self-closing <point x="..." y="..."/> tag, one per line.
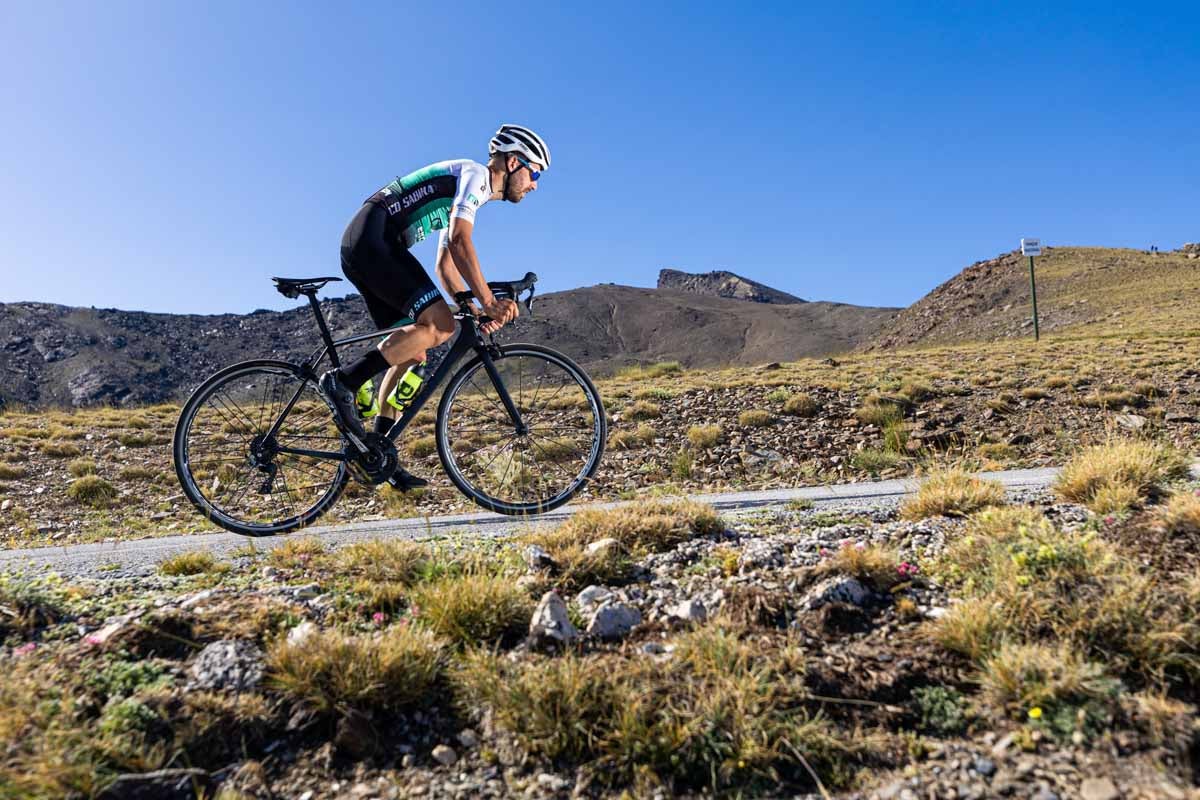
<point x="366" y="401"/>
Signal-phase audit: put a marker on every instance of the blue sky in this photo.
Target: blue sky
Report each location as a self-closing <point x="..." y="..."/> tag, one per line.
<point x="171" y="156"/>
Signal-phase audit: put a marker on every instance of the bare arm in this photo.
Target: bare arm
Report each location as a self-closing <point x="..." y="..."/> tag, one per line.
<point x="458" y="263"/>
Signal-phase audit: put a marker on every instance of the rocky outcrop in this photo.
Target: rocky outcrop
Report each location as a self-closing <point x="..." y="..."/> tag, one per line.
<point x="723" y="284"/>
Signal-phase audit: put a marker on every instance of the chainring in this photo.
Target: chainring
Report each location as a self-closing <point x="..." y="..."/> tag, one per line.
<point x="377" y="464"/>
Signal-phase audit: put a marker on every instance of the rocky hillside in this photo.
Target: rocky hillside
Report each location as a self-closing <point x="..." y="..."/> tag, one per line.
<point x="723" y="284"/>
<point x="57" y="355"/>
<point x="1080" y="289"/>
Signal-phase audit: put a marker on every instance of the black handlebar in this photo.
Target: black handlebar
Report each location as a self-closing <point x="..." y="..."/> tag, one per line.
<point x="506" y="290"/>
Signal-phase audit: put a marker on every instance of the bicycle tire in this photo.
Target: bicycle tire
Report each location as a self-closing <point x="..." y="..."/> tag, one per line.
<point x="184" y="462"/>
<point x="588" y="469"/>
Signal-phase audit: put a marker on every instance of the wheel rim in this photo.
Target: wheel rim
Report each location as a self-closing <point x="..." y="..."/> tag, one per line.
<point x="528" y="471"/>
<point x="235" y="470"/>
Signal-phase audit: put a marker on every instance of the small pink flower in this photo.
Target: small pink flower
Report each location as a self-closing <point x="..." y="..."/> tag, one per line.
<point x="378" y="617"/>
<point x="860" y="545"/>
<point x="25" y="649"/>
<point x="823" y="553"/>
<point x="847" y="542"/>
<point x="1197" y="493"/>
<point x="1110" y="519"/>
<point x="93" y="639"/>
<point x="907" y="570"/>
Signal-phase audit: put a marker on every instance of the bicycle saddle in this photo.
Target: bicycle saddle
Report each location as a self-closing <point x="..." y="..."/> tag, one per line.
<point x="294" y="287"/>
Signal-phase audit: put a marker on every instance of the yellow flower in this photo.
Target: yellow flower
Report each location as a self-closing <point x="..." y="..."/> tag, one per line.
<point x="1035" y="713"/>
<point x="741" y="765"/>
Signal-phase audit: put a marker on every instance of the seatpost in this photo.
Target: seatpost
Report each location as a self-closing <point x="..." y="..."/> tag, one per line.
<point x="316" y="307"/>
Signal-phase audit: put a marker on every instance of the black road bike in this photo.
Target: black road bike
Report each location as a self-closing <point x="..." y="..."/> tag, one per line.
<point x="520" y="428"/>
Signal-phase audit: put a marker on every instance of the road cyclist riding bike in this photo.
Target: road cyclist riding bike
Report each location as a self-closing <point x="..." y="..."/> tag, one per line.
<point x="267" y="446"/>
<point x="399" y="293"/>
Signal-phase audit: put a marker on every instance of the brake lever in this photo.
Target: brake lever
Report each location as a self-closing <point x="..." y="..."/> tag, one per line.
<point x="528" y="302"/>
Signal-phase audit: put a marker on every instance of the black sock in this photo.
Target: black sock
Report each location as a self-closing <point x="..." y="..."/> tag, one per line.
<point x="363" y="370"/>
<point x="383" y="424"/>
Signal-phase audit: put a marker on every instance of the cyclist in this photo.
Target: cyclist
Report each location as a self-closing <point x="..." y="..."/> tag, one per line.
<point x="397" y="290"/>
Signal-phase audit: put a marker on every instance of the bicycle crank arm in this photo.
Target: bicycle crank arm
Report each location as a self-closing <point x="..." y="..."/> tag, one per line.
<point x="296" y="451"/>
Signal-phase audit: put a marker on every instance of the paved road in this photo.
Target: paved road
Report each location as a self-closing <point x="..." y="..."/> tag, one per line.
<point x="139" y="557"/>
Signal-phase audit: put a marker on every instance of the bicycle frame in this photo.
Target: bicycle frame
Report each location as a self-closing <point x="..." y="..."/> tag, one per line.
<point x="468" y="339"/>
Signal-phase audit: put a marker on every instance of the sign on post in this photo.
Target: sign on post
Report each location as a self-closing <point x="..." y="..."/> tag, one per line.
<point x="1031" y="248"/>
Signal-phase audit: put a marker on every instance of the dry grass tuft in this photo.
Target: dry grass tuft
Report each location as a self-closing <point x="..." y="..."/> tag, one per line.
<point x="642" y="526"/>
<point x="951" y="492"/>
<point x="1181" y="515"/>
<point x="642" y="410"/>
<point x="801" y="405"/>
<point x="297" y="553"/>
<point x="11" y="472"/>
<point x="395" y="670"/>
<point x="1117" y="474"/>
<point x="878" y="567"/>
<point x="195" y="562"/>
<point x="59" y="449"/>
<point x="627" y="440"/>
<point x="82" y="466"/>
<point x="474" y="608"/>
<point x="879" y="411"/>
<point x="720" y="714"/>
<point x="1026" y="582"/>
<point x="755" y="418"/>
<point x="92" y="490"/>
<point x="422" y="446"/>
<point x="703" y="437"/>
<point x="1052" y="679"/>
<point x="384" y="560"/>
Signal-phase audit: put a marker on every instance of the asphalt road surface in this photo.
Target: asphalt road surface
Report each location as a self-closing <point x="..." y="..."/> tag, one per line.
<point x="141" y="556"/>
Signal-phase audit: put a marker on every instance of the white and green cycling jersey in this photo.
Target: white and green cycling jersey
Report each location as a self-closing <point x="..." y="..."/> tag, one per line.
<point x="427" y="200"/>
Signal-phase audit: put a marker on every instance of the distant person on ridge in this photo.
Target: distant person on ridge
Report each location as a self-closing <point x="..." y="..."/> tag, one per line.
<point x="396" y="288"/>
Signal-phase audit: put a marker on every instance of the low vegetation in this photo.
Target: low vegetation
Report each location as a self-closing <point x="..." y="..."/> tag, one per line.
<point x="1119" y="473"/>
<point x="951" y="491"/>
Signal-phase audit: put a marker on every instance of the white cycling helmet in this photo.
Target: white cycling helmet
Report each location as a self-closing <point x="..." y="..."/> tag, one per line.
<point x="521" y="140"/>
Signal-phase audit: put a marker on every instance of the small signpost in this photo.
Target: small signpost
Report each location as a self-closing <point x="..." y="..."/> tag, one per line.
<point x="1031" y="248"/>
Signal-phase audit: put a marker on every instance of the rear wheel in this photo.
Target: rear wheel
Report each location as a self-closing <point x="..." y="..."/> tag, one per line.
<point x="229" y="464"/>
<point x="521" y="473"/>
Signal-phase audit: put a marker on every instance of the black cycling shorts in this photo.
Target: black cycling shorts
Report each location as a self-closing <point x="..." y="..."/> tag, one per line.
<point x="393" y="283"/>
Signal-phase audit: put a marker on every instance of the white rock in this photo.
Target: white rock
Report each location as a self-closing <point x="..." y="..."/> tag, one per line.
<point x="198" y="597"/>
<point x="602" y="547"/>
<point x="6" y="505"/>
<point x="444" y="755"/>
<point x="614" y="621"/>
<point x="1099" y="789"/>
<point x="537" y="558"/>
<point x="300" y="634"/>
<point x="689" y="611"/>
<point x="1131" y="421"/>
<point x="592" y="598"/>
<point x="550" y="623"/>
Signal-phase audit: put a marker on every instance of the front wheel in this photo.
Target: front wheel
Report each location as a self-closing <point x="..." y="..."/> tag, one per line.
<point x="516" y="473"/>
<point x="233" y="461"/>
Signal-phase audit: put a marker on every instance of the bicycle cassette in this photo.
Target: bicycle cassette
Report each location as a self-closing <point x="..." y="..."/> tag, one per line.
<point x="377" y="464"/>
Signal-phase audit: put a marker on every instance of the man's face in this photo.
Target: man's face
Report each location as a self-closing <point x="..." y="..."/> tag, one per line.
<point x="519" y="182"/>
